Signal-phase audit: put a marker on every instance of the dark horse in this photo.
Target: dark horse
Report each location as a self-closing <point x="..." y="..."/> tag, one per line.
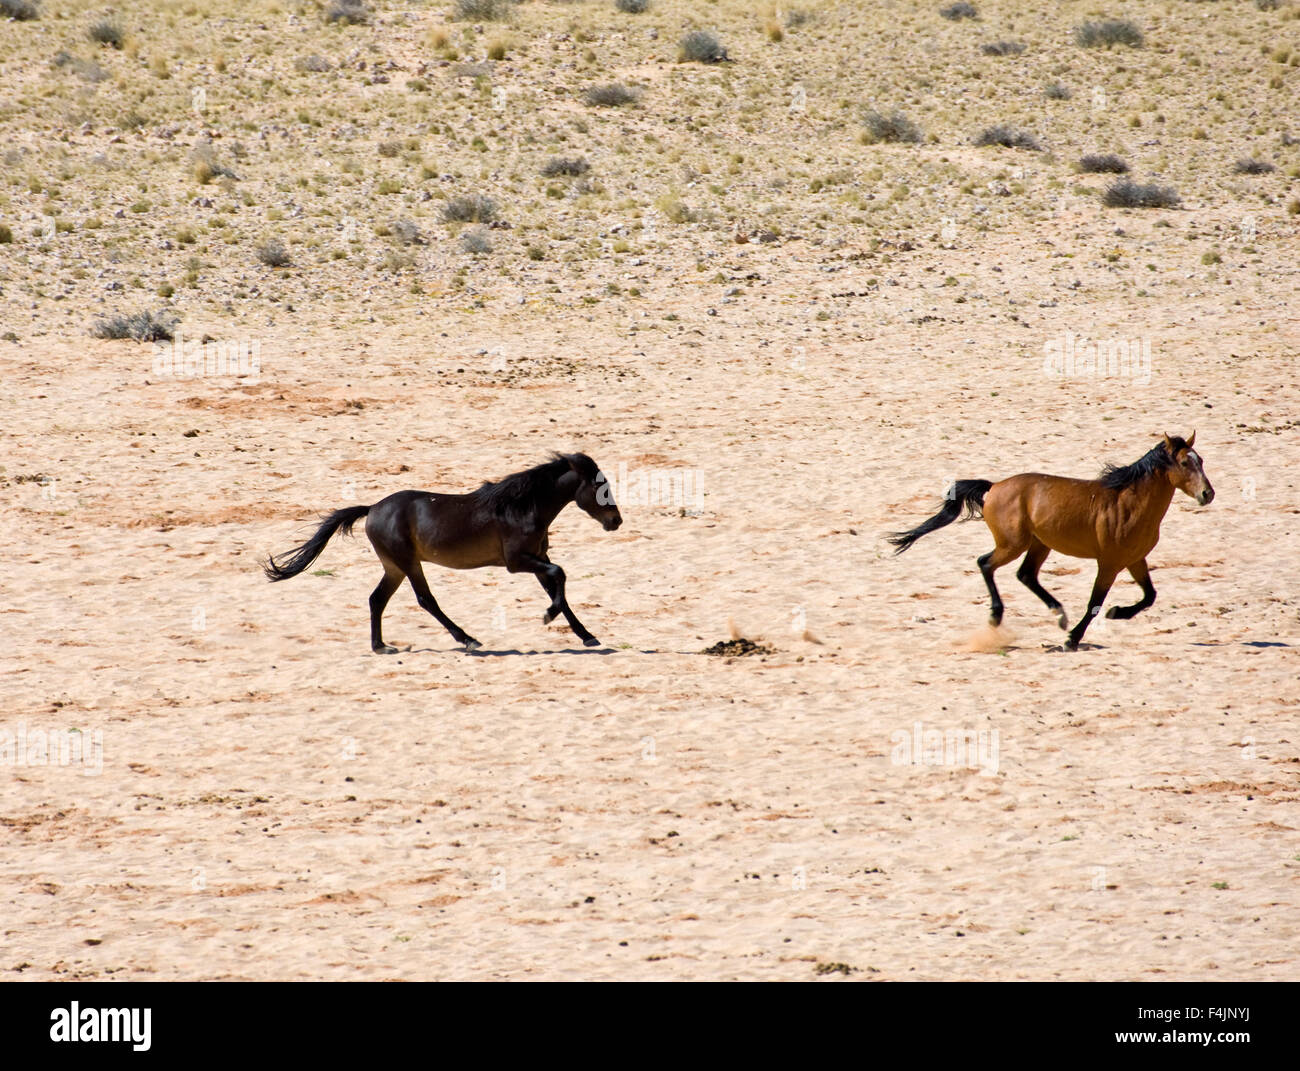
<point x="502" y="524"/>
<point x="1114" y="519"/>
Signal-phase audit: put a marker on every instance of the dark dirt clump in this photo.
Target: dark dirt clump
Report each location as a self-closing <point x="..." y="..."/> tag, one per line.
<point x="737" y="648"/>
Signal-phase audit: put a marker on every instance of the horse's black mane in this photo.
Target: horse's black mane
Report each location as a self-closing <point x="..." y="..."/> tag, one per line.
<point x="1157" y="459"/>
<point x="521" y="491"/>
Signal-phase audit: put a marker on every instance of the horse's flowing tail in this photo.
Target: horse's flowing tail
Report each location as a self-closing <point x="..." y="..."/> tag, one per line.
<point x="293" y="562"/>
<point x="964" y="493"/>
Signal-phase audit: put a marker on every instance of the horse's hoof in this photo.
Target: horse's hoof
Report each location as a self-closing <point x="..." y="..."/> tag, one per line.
<point x="1113" y="613"/>
<point x="385" y="649"/>
<point x="1062" y="620"/>
<point x="471" y="644"/>
<point x="1071" y="645"/>
<point x="549" y="616"/>
<point x="591" y="641"/>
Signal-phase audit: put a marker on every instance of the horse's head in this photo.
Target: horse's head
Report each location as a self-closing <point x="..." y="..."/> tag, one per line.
<point x="1186" y="472"/>
<point x="595" y="494"/>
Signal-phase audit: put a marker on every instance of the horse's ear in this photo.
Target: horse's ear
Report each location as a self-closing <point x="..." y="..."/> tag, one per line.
<point x="1191" y="441"/>
<point x="580" y="464"/>
<point x="1169" y="445"/>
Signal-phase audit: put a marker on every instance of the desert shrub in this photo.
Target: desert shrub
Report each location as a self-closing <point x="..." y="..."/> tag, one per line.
<point x="19" y="10"/>
<point x="1008" y="137"/>
<point x="703" y="46"/>
<point x="1056" y="91"/>
<point x="1129" y="194"/>
<point x="1102" y="163"/>
<point x="141" y="326"/>
<point x="565" y="165"/>
<point x="632" y="7"/>
<point x="273" y="254"/>
<point x="1250" y="166"/>
<point x="674" y="209"/>
<point x="472" y="70"/>
<point x="1107" y="32"/>
<point x="107" y="32"/>
<point x="469" y="208"/>
<point x="206" y="167"/>
<point x="476" y="240"/>
<point x="895" y="127"/>
<point x="953" y="12"/>
<point x="6" y="235"/>
<point x="406" y="231"/>
<point x="1002" y="48"/>
<point x="205" y="171"/>
<point x="484" y="10"/>
<point x="348" y="12"/>
<point x="88" y="70"/>
<point x="613" y="95"/>
<point x="396" y="261"/>
<point x="312" y="64"/>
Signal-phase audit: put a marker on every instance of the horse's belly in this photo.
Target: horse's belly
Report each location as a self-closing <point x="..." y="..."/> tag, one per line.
<point x="1068" y="543"/>
<point x="476" y="553"/>
<point x="462" y="557"/>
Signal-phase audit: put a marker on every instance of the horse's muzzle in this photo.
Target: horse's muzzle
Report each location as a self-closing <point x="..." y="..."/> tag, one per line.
<point x="1205" y="497"/>
<point x="612" y="523"/>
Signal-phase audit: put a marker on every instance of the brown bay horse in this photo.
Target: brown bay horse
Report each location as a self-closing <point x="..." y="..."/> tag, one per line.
<point x="501" y="524"/>
<point x="1114" y="519"/>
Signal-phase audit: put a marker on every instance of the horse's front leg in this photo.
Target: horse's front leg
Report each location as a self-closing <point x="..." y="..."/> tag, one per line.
<point x="1105" y="577"/>
<point x="1140" y="572"/>
<point x="551" y="577"/>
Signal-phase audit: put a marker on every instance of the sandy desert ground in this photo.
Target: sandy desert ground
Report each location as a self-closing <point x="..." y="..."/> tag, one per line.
<point x="274" y="801"/>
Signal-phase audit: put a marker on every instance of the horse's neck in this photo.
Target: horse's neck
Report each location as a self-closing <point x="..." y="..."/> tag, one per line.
<point x="1153" y="496"/>
<point x="561" y="495"/>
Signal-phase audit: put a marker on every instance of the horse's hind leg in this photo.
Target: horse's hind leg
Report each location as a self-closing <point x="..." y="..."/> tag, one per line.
<point x="427" y="602"/>
<point x="378" y="600"/>
<point x="989" y="564"/>
<point x="1027" y="574"/>
<point x="1139" y="572"/>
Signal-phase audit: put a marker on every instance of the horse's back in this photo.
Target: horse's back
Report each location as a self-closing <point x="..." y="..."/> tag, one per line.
<point x="1020" y="493"/>
<point x="433" y="527"/>
<point x="1056" y="510"/>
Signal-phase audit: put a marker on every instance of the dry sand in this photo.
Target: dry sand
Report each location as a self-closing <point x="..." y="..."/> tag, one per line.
<point x="276" y="802"/>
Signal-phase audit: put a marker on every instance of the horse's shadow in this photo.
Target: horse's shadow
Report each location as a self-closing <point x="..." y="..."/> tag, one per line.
<point x="506" y="652"/>
<point x="1055" y="648"/>
<point x="1245" y="643"/>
